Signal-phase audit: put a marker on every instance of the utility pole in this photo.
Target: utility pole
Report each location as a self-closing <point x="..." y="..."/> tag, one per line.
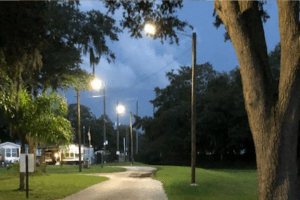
<point x="104" y="120"/>
<point x="117" y="129"/>
<point x="136" y="132"/>
<point x="193" y="111"/>
<point x="127" y="143"/>
<point x="79" y="132"/>
<point x="131" y="134"/>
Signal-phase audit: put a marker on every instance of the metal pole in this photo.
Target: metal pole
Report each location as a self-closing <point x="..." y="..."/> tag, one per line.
<point x="27" y="181"/>
<point x="127" y="143"/>
<point x="136" y="132"/>
<point x="193" y="111"/>
<point x="104" y="125"/>
<point x="104" y="119"/>
<point x="79" y="132"/>
<point x="131" y="134"/>
<point x="117" y="128"/>
<point x="124" y="143"/>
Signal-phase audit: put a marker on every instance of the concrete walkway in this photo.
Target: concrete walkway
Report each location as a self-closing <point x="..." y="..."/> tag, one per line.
<point x="122" y="186"/>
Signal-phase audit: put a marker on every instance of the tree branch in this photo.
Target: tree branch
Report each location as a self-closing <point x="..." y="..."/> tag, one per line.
<point x="289" y="84"/>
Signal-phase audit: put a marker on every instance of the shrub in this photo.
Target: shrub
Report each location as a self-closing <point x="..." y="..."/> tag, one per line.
<point x="14" y="166"/>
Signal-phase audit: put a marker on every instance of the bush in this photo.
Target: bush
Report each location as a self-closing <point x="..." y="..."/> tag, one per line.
<point x="43" y="167"/>
<point x="14" y="166"/>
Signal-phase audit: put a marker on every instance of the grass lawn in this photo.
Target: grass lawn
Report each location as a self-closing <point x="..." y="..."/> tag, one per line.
<point x="212" y="184"/>
<point x="57" y="183"/>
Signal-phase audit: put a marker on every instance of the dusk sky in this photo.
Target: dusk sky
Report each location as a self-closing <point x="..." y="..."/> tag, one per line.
<point x="141" y="64"/>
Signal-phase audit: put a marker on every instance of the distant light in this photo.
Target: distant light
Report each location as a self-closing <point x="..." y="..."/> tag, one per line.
<point x="120" y="109"/>
<point x="56" y="155"/>
<point x="149" y="28"/>
<point x="96" y="84"/>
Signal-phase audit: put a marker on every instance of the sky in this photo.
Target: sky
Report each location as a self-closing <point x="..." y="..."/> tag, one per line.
<point x="141" y="64"/>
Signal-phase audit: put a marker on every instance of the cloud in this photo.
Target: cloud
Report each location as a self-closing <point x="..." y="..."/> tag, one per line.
<point x="140" y="63"/>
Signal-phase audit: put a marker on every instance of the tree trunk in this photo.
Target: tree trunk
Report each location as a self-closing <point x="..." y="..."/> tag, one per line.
<point x="273" y="121"/>
<point x="32" y="148"/>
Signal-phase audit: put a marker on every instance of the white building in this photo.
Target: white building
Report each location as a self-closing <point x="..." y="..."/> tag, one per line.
<point x="9" y="152"/>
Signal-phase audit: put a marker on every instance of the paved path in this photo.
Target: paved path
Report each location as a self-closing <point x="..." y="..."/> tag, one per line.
<point x="121" y="186"/>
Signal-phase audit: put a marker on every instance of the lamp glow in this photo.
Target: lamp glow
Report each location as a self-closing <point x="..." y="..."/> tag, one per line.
<point x="149" y="28"/>
<point x="96" y="84"/>
<point x="120" y="109"/>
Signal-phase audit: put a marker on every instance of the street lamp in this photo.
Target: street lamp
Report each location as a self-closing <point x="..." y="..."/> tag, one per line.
<point x="97" y="84"/>
<point x="151" y="29"/>
<point x="120" y="109"/>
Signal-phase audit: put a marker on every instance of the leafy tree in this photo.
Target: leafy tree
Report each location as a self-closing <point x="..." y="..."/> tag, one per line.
<point x="71" y="32"/>
<point x="273" y="119"/>
<point x="170" y="129"/>
<point x="40" y="119"/>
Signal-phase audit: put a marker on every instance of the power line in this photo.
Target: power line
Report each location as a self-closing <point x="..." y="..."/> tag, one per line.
<point x="159" y="70"/>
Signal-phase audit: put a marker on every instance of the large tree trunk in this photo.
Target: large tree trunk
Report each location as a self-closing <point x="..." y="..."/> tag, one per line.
<point x="273" y="121"/>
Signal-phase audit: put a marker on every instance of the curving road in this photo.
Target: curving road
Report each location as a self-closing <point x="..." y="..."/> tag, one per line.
<point x="121" y="186"/>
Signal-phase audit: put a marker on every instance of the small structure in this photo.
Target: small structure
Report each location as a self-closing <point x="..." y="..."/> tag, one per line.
<point x="9" y="153"/>
<point x="68" y="154"/>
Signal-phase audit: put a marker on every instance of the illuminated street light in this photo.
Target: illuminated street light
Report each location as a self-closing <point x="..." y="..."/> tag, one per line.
<point x="120" y="109"/>
<point x="96" y="84"/>
<point x="149" y="28"/>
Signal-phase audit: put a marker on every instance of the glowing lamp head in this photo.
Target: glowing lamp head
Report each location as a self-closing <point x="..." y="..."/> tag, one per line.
<point x="96" y="84"/>
<point x="120" y="109"/>
<point x="149" y="28"/>
<point x="56" y="155"/>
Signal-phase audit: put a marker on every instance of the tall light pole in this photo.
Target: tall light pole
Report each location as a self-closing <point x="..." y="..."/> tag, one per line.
<point x="136" y="133"/>
<point x="117" y="128"/>
<point x="104" y="121"/>
<point x="131" y="134"/>
<point x="78" y="128"/>
<point x="151" y="29"/>
<point x="120" y="109"/>
<point x="193" y="110"/>
<point x="97" y="84"/>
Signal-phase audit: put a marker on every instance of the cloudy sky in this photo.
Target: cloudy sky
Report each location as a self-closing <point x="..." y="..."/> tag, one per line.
<point x="141" y="64"/>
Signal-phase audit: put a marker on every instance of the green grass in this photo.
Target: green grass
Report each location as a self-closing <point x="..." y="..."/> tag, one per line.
<point x="57" y="183"/>
<point x="66" y="180"/>
<point x="212" y="184"/>
<point x="51" y="186"/>
<point x="68" y="169"/>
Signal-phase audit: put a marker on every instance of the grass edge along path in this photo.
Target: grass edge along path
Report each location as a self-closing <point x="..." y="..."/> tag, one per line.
<point x="211" y="184"/>
<point x="59" y="182"/>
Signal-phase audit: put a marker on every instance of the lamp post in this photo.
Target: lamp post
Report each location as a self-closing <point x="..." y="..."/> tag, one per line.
<point x="78" y="128"/>
<point x="151" y="29"/>
<point x="97" y="84"/>
<point x="131" y="135"/>
<point x="120" y="109"/>
<point x="137" y="135"/>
